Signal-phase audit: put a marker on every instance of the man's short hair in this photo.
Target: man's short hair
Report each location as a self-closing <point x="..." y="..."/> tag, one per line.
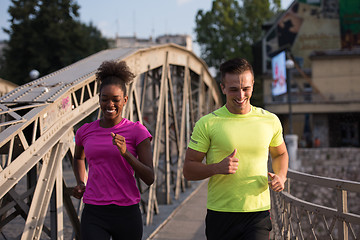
<point x="235" y="65"/>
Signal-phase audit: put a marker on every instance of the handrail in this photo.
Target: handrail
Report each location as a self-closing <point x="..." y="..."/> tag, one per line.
<point x="319" y="209"/>
<point x="295" y="218"/>
<point x="324" y="181"/>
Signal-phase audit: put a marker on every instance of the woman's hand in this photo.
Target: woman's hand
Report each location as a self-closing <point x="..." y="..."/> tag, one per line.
<point x="79" y="190"/>
<point x="120" y="142"/>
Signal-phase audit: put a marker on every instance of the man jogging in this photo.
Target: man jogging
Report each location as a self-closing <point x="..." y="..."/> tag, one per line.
<point x="236" y="140"/>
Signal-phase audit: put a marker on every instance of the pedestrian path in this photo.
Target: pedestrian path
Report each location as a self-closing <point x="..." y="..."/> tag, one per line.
<point x="187" y="222"/>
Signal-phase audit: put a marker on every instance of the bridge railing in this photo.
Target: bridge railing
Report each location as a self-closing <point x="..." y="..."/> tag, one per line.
<point x="329" y="208"/>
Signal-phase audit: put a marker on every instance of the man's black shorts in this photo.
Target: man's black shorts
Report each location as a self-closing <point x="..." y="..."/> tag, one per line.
<point x="238" y="225"/>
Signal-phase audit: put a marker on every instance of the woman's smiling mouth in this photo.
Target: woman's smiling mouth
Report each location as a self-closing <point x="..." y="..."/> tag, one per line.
<point x="110" y="110"/>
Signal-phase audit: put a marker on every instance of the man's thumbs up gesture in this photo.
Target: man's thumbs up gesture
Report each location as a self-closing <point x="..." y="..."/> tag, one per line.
<point x="228" y="165"/>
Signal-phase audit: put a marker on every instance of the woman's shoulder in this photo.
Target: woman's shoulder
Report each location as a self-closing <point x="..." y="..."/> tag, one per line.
<point x="134" y="130"/>
<point x="129" y="123"/>
<point x="139" y="126"/>
<point x="87" y="126"/>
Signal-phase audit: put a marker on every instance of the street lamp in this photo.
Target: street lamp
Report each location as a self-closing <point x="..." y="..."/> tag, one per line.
<point x="34" y="74"/>
<point x="291" y="139"/>
<point x="289" y="65"/>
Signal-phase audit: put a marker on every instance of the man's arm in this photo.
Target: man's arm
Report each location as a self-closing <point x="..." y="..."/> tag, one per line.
<point x="195" y="169"/>
<point x="280" y="163"/>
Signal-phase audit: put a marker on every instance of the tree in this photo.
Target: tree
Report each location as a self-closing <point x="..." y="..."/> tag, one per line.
<point x="230" y="29"/>
<point x="46" y="35"/>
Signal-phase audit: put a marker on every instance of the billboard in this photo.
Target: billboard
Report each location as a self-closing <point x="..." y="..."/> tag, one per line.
<point x="279" y="74"/>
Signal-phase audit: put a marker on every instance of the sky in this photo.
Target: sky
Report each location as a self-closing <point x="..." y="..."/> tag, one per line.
<point x="143" y="18"/>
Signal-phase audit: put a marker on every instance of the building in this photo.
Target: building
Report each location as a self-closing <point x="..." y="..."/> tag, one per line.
<point x="131" y="42"/>
<point x="182" y="40"/>
<point x="323" y="39"/>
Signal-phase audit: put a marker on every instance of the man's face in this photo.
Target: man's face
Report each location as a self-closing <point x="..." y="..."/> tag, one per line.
<point x="238" y="89"/>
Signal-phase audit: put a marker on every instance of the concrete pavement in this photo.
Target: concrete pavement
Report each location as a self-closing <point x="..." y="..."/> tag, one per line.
<point x="187" y="221"/>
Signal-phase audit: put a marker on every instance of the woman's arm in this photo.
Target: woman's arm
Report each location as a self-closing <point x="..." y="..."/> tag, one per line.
<point x="79" y="171"/>
<point x="143" y="165"/>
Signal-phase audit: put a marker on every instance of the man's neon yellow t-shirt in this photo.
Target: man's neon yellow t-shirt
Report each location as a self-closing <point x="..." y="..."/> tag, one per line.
<point x="218" y="134"/>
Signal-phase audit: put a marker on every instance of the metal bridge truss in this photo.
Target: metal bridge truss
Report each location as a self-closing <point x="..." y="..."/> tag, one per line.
<point x="173" y="88"/>
<point x="330" y="211"/>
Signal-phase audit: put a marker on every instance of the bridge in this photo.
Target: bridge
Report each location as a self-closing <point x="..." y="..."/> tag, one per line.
<point x="173" y="89"/>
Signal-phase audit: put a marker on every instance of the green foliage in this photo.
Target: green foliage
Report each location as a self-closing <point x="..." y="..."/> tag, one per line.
<point x="217" y="30"/>
<point x="231" y="28"/>
<point x="46" y="35"/>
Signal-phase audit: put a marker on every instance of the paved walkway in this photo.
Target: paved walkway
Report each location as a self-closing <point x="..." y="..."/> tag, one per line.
<point x="187" y="222"/>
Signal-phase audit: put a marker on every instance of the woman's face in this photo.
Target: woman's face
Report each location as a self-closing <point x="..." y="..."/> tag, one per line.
<point x="112" y="101"/>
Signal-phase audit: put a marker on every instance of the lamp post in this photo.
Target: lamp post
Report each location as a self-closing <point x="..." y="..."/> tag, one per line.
<point x="291" y="139"/>
<point x="289" y="65"/>
<point x="34" y="74"/>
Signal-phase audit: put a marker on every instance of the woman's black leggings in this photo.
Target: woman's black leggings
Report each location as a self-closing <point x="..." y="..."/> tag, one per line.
<point x="118" y="222"/>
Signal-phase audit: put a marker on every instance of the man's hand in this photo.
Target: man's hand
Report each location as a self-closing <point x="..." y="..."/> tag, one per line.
<point x="120" y="142"/>
<point x="79" y="190"/>
<point x="276" y="182"/>
<point x="228" y="165"/>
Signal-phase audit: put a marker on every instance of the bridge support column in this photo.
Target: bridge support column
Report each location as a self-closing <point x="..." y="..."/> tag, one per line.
<point x="342" y="208"/>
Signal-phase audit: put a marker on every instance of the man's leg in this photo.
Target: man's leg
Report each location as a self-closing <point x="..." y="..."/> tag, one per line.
<point x="259" y="227"/>
<point x="235" y="226"/>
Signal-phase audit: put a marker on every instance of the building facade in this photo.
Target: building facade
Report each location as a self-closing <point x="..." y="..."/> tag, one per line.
<point x="324" y="86"/>
<point x="182" y="40"/>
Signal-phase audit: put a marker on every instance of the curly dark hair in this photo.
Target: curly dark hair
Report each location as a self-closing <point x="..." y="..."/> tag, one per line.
<point x="235" y="65"/>
<point x="114" y="73"/>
